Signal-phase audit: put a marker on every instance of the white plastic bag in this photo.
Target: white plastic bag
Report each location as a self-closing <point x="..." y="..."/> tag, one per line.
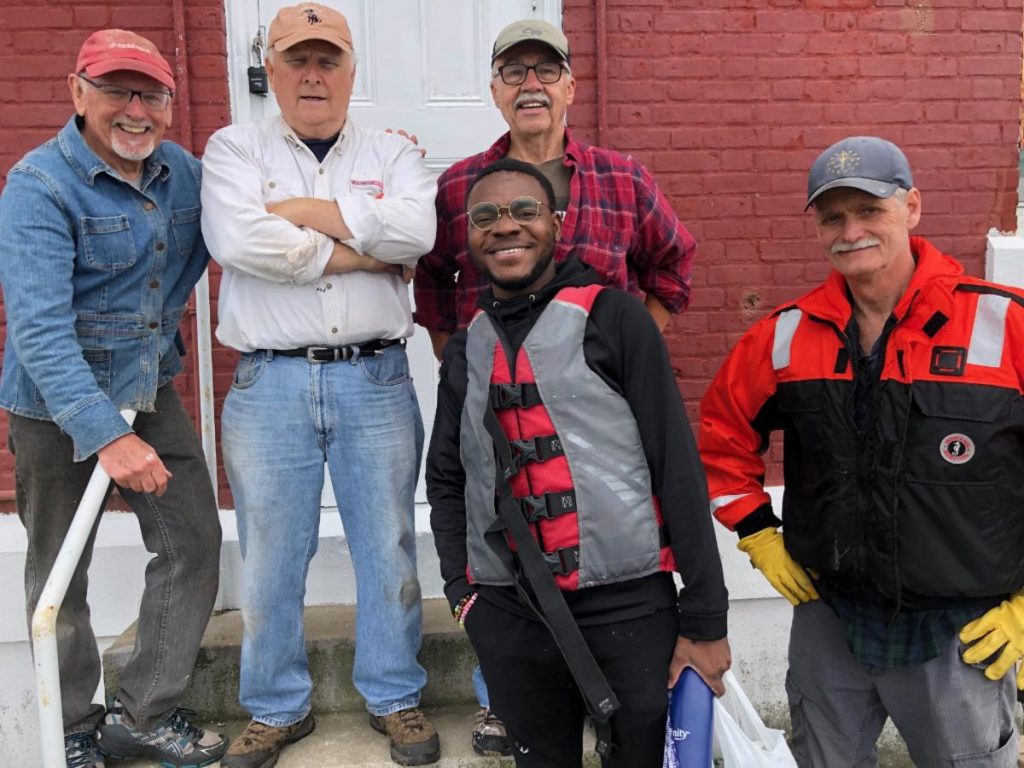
<point x="741" y="739"/>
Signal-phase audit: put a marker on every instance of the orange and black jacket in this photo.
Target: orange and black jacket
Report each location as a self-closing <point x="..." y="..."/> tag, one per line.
<point x="925" y="504"/>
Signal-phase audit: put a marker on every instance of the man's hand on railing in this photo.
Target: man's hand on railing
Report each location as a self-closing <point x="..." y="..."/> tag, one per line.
<point x="132" y="463"/>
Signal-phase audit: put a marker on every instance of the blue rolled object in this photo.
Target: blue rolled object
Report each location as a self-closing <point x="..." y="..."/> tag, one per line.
<point x="691" y="719"/>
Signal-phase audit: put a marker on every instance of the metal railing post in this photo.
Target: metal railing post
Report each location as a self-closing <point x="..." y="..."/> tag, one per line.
<point x="44" y="619"/>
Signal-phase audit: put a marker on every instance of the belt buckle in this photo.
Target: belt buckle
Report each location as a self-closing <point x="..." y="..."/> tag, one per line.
<point x="311" y="351"/>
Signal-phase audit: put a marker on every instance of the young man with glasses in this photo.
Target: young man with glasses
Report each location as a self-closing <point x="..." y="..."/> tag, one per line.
<point x="613" y="489"/>
<point x="615" y="218"/>
<point x="101" y="251"/>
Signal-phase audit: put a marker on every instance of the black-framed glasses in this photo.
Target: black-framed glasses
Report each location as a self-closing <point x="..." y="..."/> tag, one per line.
<point x="547" y="72"/>
<point x="522" y="210"/>
<point x="117" y="96"/>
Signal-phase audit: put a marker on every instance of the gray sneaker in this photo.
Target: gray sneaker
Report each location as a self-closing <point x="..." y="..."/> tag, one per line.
<point x="259" y="745"/>
<point x="174" y="741"/>
<point x="490" y="738"/>
<point x="80" y="751"/>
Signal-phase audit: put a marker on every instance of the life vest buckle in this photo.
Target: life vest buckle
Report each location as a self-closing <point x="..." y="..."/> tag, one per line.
<point x="504" y="396"/>
<point x="549" y="506"/>
<point x="564" y="561"/>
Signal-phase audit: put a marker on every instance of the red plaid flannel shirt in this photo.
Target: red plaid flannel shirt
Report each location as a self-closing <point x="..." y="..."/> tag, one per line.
<point x="617" y="222"/>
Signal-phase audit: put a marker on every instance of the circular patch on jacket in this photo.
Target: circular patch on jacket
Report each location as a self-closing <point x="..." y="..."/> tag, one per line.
<point x="956" y="448"/>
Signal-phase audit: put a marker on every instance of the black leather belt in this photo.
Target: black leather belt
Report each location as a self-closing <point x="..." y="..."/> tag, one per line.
<point x="334" y="354"/>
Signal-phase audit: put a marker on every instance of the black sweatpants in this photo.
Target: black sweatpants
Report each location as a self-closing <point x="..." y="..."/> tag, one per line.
<point x="532" y="690"/>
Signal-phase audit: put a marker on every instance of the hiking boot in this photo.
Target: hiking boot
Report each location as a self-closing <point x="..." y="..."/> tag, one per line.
<point x="174" y="741"/>
<point x="260" y="745"/>
<point x="80" y="751"/>
<point x="413" y="739"/>
<point x="490" y="738"/>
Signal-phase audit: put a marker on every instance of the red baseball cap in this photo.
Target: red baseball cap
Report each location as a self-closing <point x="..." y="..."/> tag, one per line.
<point x="114" y="50"/>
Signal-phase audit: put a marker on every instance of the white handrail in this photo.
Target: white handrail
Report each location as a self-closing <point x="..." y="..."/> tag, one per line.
<point x="204" y="348"/>
<point x="44" y="619"/>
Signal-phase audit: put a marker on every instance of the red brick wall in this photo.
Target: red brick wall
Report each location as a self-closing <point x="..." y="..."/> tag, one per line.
<point x="728" y="103"/>
<point x="728" y="107"/>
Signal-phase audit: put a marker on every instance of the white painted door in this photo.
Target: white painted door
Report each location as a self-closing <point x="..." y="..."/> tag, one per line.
<point x="424" y="66"/>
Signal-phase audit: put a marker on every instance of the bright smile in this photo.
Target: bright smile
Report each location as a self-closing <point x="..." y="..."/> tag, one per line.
<point x="510" y="253"/>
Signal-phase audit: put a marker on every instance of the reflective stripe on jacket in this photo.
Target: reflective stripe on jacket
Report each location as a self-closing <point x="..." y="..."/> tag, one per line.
<point x="583" y="475"/>
<point x="929" y="501"/>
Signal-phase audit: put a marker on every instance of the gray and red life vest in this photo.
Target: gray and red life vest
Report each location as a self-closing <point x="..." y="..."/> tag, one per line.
<point x="582" y="482"/>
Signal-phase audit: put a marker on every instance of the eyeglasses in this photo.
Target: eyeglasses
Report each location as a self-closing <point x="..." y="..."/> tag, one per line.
<point x="117" y="96"/>
<point x="522" y="210"/>
<point x="547" y="72"/>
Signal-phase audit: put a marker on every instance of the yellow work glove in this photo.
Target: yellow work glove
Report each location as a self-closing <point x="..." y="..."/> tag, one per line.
<point x="1000" y="629"/>
<point x="769" y="556"/>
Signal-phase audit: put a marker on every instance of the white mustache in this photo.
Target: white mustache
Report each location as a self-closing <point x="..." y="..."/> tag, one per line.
<point x="540" y="97"/>
<point x="867" y="242"/>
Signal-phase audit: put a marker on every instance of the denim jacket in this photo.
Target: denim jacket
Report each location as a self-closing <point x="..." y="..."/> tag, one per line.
<point x="96" y="275"/>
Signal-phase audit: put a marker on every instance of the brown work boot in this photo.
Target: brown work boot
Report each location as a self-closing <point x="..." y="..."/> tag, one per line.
<point x="413" y="739"/>
<point x="260" y="745"/>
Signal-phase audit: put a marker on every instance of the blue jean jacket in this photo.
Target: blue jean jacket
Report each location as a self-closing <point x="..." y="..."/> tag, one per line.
<point x="96" y="275"/>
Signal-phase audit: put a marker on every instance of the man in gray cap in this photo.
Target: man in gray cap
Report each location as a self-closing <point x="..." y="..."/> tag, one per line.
<point x="614" y="217"/>
<point x="897" y="385"/>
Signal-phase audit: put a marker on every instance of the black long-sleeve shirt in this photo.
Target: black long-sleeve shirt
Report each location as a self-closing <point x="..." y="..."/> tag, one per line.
<point x="623" y="346"/>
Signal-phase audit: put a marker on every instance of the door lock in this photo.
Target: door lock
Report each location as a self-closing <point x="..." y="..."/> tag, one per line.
<point x="257" y="72"/>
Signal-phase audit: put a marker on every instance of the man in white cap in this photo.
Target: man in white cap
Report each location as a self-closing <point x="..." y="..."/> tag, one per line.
<point x="101" y="251"/>
<point x="314" y="221"/>
<point x="898" y="387"/>
<point x="614" y="217"/>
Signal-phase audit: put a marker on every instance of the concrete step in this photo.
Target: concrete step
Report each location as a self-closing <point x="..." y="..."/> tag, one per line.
<point x="343" y="736"/>
<point x="345" y="740"/>
<point x="330" y="640"/>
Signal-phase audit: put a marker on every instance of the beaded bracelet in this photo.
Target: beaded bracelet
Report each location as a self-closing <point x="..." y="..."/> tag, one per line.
<point x="457" y="610"/>
<point x="464" y="610"/>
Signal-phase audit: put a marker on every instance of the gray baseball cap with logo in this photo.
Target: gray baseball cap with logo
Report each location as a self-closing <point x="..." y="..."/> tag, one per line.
<point x="867" y="163"/>
<point x="526" y="30"/>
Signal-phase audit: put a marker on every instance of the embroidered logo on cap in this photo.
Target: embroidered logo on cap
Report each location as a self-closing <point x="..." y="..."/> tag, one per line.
<point x="311" y="16"/>
<point x="531" y="31"/>
<point x="843" y="161"/>
<point x="956" y="448"/>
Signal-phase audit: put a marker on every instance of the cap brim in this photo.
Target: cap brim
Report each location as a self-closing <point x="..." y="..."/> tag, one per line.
<point x="107" y="66"/>
<point x="874" y="187"/>
<point x="295" y="38"/>
<point x="563" y="56"/>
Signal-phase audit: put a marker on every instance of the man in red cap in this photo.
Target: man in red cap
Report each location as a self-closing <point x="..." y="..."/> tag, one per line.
<point x="101" y="251"/>
<point x="314" y="220"/>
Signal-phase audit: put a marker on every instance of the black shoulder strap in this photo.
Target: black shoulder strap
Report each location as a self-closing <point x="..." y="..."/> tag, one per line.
<point x="597" y="693"/>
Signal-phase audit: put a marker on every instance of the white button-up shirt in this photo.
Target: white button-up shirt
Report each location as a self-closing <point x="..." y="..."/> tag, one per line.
<point x="273" y="294"/>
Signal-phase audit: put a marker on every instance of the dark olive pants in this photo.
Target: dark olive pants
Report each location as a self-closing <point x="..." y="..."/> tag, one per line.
<point x="180" y="528"/>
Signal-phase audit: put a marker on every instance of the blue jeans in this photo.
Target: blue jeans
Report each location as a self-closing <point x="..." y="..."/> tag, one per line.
<point x="480" y="687"/>
<point x="283" y="418"/>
